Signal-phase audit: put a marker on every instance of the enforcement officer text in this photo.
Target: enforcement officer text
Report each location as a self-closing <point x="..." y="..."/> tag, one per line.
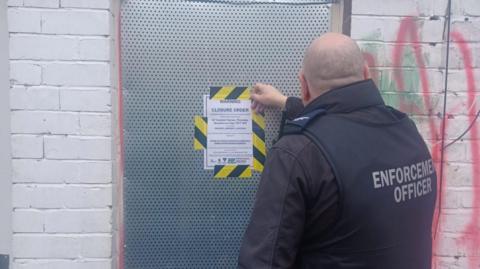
<point x="409" y="181"/>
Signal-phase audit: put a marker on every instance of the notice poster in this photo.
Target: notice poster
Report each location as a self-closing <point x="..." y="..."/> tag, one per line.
<point x="230" y="134"/>
<point x="229" y="139"/>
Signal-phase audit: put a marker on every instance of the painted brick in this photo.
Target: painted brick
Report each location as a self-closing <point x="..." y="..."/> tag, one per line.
<point x="383" y="54"/>
<point x="448" y="246"/>
<point x="62" y="221"/>
<point x="457" y="152"/>
<point x="98" y="100"/>
<point x="457" y="81"/>
<point x="24" y="20"/>
<point x="456" y="126"/>
<point x="459" y="105"/>
<point x="95" y="124"/>
<point x="78" y="221"/>
<point x="61" y="246"/>
<point x="455" y="222"/>
<point x="62" y="264"/>
<point x="62" y="201"/>
<point x="459" y="174"/>
<point x="470" y="29"/>
<point x="466" y="7"/>
<point x="470" y="157"/>
<point x="43" y="47"/>
<point x="77" y="147"/>
<point x="15" y="3"/>
<point x="460" y="198"/>
<point x="60" y="171"/>
<point x="431" y="30"/>
<point x="31" y="98"/>
<point x="385" y="29"/>
<point x="76" y="22"/>
<point x="413" y="102"/>
<point x="101" y="4"/>
<point x="27" y="146"/>
<point x="412" y="83"/>
<point x="77" y="74"/>
<point x="25" y="73"/>
<point x="41" y="3"/>
<point x="399" y="8"/>
<point x="94" y="49"/>
<point x="51" y="47"/>
<point x="456" y="62"/>
<point x="47" y="196"/>
<point x="456" y="262"/>
<point x="28" y="221"/>
<point x="44" y="122"/>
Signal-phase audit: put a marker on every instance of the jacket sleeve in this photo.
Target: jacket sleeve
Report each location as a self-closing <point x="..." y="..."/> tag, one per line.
<point x="276" y="225"/>
<point x="293" y="108"/>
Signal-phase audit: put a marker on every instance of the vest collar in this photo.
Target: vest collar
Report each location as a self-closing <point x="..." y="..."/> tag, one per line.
<point x="348" y="98"/>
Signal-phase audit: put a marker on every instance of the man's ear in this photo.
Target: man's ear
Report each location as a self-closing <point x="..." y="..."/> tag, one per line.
<point x="366" y="72"/>
<point x="306" y="96"/>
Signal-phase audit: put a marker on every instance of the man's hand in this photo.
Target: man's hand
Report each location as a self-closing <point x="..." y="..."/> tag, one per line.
<point x="264" y="95"/>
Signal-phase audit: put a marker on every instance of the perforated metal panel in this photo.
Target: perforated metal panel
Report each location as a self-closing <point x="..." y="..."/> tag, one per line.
<point x="176" y="214"/>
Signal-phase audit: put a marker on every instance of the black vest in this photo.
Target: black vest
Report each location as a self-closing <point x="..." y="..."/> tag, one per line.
<point x="386" y="181"/>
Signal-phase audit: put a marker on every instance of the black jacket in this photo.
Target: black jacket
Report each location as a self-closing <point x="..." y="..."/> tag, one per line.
<point x="297" y="202"/>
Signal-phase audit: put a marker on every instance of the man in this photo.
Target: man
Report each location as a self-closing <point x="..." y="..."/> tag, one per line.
<point x="350" y="183"/>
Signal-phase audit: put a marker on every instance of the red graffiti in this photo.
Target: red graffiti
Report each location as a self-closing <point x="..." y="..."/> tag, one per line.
<point x="471" y="234"/>
<point x="408" y="36"/>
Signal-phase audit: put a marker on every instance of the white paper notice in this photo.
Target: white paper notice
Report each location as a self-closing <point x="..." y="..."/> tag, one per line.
<point x="229" y="139"/>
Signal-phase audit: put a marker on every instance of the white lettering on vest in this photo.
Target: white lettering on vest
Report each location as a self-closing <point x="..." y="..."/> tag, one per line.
<point x="409" y="182"/>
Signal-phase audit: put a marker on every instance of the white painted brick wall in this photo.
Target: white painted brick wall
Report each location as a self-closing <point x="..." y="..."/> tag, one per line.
<point x="76" y="74"/>
<point x="53" y="47"/>
<point x="62" y="221"/>
<point x="60" y="60"/>
<point x="66" y="246"/>
<point x="77" y="147"/>
<point x="41" y="3"/>
<point x="25" y="73"/>
<point x="61" y="171"/>
<point x="62" y="264"/>
<point x="92" y="100"/>
<point x="34" y="98"/>
<point x="27" y="146"/>
<point x="73" y="196"/>
<point x="100" y="4"/>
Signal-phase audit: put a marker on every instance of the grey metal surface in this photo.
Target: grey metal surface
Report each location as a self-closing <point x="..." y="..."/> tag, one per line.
<point x="176" y="214"/>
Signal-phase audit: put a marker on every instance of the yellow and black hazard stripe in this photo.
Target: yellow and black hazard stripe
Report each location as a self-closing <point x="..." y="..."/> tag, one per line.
<point x="224" y="171"/>
<point x="259" y="148"/>
<point x="258" y="139"/>
<point x="229" y="93"/>
<point x="200" y="136"/>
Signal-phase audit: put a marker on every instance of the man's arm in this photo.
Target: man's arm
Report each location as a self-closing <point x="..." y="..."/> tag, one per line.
<point x="276" y="225"/>
<point x="264" y="95"/>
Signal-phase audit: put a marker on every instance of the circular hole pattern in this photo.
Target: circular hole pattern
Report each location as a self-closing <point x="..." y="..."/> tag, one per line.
<point x="176" y="214"/>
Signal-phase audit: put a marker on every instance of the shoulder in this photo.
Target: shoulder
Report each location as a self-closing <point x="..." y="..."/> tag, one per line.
<point x="293" y="144"/>
<point x="301" y="149"/>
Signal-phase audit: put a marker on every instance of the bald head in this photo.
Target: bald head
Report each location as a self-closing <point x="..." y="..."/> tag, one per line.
<point x="332" y="60"/>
